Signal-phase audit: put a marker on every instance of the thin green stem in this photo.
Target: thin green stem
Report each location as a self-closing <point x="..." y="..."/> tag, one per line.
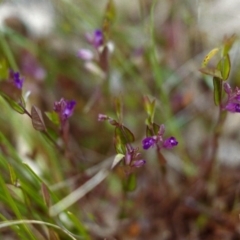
<point x="7" y="51"/>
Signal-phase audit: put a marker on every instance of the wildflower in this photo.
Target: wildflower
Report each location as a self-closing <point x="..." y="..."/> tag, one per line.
<point x="133" y="157"/>
<point x="64" y="109"/>
<point x="170" y="143"/>
<point x="31" y="67"/>
<point x="96" y="39"/>
<point x="148" y="142"/>
<point x="15" y="78"/>
<point x="85" y="54"/>
<point x="233" y="99"/>
<point x="139" y="163"/>
<point x="159" y="141"/>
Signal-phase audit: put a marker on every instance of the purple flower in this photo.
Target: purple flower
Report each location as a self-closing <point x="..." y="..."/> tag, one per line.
<point x="159" y="141"/>
<point x="233" y="100"/>
<point x="30" y="66"/>
<point x="85" y="54"/>
<point x="96" y="39"/>
<point x="14" y="77"/>
<point x="148" y="142"/>
<point x="170" y="143"/>
<point x="64" y="109"/>
<point x="139" y="163"/>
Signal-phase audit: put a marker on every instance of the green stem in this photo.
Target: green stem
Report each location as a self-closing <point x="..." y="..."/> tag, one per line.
<point x="7" y="51"/>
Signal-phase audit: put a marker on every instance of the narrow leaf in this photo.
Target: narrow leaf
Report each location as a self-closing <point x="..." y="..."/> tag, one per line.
<point x="109" y="17"/>
<point x="118" y="158"/>
<point x="3" y="69"/>
<point x="13" y="104"/>
<point x="53" y="117"/>
<point x="211" y="71"/>
<point x="37" y="119"/>
<point x="209" y="56"/>
<point x="118" y="107"/>
<point x="228" y="42"/>
<point x="224" y="66"/>
<point x="217" y="84"/>
<point x="130" y="183"/>
<point x="45" y="194"/>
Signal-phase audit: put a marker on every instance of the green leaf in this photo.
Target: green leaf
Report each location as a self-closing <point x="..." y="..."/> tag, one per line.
<point x="211" y="71"/>
<point x="123" y="136"/>
<point x="156" y="128"/>
<point x="108" y="19"/>
<point x="209" y="56"/>
<point x="118" y="107"/>
<point x="3" y="70"/>
<point x="53" y="117"/>
<point x="45" y="194"/>
<point x="217" y="84"/>
<point x="224" y="66"/>
<point x="130" y="183"/>
<point x="228" y="42"/>
<point x="14" y="105"/>
<point x="118" y="158"/>
<point x="80" y="227"/>
<point x="149" y="108"/>
<point x="12" y="174"/>
<point x="37" y="119"/>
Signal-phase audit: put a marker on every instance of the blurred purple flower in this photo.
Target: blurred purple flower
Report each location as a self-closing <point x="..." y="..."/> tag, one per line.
<point x="233" y="99"/>
<point x="64" y="109"/>
<point x="170" y="143"/>
<point x="158" y="140"/>
<point x="96" y="38"/>
<point x="31" y="67"/>
<point x="15" y="78"/>
<point x="85" y="54"/>
<point x="148" y="142"/>
<point x="139" y="163"/>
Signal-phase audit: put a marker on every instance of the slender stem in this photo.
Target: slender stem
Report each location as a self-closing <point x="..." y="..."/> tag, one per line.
<point x="6" y="49"/>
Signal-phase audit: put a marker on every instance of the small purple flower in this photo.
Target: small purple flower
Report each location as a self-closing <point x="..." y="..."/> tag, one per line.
<point x="170" y="143"/>
<point x="64" y="108"/>
<point x="233" y="101"/>
<point x="14" y="77"/>
<point x="148" y="142"/>
<point x="139" y="163"/>
<point x="96" y="39"/>
<point x="85" y="54"/>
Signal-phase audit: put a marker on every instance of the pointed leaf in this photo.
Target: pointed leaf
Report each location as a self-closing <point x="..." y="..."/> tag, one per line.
<point x="53" y="117"/>
<point x="109" y="17"/>
<point x="45" y="194"/>
<point x="130" y="183"/>
<point x="118" y="107"/>
<point x="228" y="42"/>
<point x="156" y="128"/>
<point x="14" y="105"/>
<point x="3" y="69"/>
<point x="37" y="119"/>
<point x="224" y="66"/>
<point x="211" y="71"/>
<point x="118" y="158"/>
<point x="217" y="84"/>
<point x="209" y="56"/>
<point x="13" y="176"/>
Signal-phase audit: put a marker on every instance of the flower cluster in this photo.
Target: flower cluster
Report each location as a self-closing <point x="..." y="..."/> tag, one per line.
<point x="159" y="141"/>
<point x="15" y="78"/>
<point x="64" y="109"/>
<point x="96" y="39"/>
<point x="133" y="157"/>
<point x="233" y="99"/>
